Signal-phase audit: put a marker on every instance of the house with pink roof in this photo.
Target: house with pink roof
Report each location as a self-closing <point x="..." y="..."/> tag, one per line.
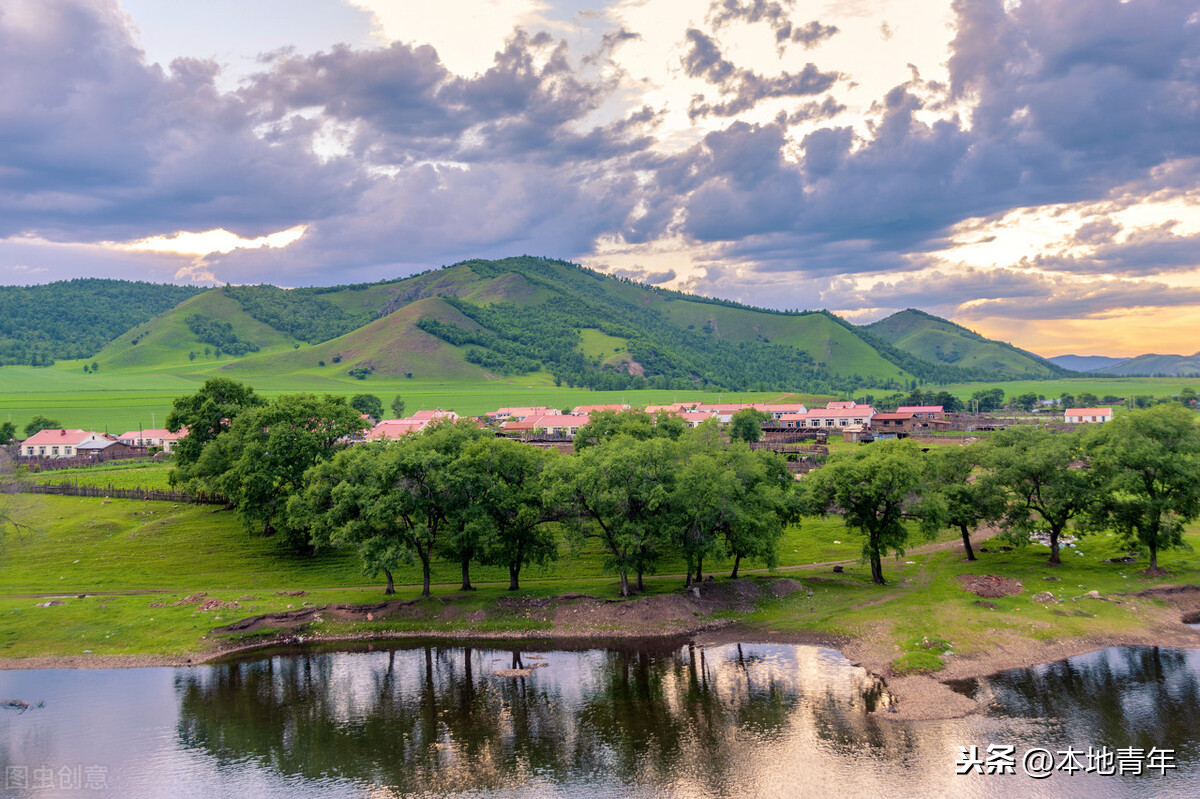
<point x="57" y="443"/>
<point x="155" y="437"/>
<point x="923" y="411"/>
<point x="1087" y="415"/>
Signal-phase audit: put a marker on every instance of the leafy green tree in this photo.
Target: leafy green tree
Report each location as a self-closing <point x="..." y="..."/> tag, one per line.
<point x="730" y="500"/>
<point x="875" y="489"/>
<point x="269" y="448"/>
<point x="959" y="496"/>
<point x="1044" y="479"/>
<point x="206" y="414"/>
<point x="347" y="502"/>
<point x="460" y="541"/>
<point x="510" y="517"/>
<point x="989" y="399"/>
<point x="746" y="424"/>
<point x="39" y="423"/>
<point x="620" y="494"/>
<point x="397" y="406"/>
<point x="8" y="431"/>
<point x="369" y="404"/>
<point x="1146" y="468"/>
<point x="604" y="426"/>
<point x="1025" y="402"/>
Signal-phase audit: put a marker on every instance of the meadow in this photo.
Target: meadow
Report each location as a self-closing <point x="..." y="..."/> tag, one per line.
<point x="124" y="400"/>
<point x="120" y="567"/>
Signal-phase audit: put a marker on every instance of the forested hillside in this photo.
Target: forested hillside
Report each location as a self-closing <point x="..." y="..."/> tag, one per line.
<point x="76" y="318"/>
<point x="484" y="320"/>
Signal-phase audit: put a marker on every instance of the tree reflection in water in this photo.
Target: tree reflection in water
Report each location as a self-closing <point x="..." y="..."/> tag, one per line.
<point x="437" y="718"/>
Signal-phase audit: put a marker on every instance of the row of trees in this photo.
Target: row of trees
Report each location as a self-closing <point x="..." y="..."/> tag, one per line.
<point x="643" y="492"/>
<point x="1138" y="475"/>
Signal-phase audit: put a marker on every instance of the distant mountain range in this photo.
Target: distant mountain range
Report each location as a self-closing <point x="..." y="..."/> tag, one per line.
<point x="487" y="320"/>
<point x="1150" y="365"/>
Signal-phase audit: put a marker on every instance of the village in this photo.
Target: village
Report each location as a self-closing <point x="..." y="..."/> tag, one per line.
<point x="779" y="422"/>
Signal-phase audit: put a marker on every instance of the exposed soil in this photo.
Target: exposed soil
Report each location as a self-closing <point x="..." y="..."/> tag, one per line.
<point x="990" y="586"/>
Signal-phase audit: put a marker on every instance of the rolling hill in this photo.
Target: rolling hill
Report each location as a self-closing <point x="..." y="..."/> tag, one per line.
<point x="1155" y="366"/>
<point x="1086" y="363"/>
<point x="940" y="341"/>
<point x="482" y="320"/>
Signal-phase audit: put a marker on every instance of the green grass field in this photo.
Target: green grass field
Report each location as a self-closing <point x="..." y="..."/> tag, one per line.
<point x="125" y="555"/>
<point x="144" y="474"/>
<point x="1100" y="386"/>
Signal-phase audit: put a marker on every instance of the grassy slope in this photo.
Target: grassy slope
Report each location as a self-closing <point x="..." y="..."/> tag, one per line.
<point x="84" y="546"/>
<point x="166" y="339"/>
<point x="938" y="340"/>
<point x="394" y="345"/>
<point x="818" y="335"/>
<point x="1188" y="365"/>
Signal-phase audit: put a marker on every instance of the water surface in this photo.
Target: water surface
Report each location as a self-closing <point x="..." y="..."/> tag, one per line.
<point x="632" y="720"/>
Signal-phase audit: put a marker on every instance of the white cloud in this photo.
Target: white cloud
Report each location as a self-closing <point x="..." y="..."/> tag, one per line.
<point x="466" y="33"/>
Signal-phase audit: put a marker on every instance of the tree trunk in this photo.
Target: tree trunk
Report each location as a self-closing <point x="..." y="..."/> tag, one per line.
<point x="424" y="575"/>
<point x="1153" y="558"/>
<point x="640" y="585"/>
<point x="1054" y="561"/>
<point x="737" y="561"/>
<point x="514" y="574"/>
<point x="966" y="534"/>
<point x="391" y="584"/>
<point x="700" y="569"/>
<point x="624" y="583"/>
<point x="466" y="575"/>
<point x="876" y="566"/>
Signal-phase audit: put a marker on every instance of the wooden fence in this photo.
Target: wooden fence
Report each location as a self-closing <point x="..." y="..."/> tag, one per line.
<point x="75" y="490"/>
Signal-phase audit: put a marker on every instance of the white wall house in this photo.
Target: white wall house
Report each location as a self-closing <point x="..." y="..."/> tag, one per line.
<point x="1087" y="415"/>
<point x="56" y="443"/>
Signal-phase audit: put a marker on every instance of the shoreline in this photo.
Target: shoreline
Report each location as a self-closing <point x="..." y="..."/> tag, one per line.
<point x="920" y="697"/>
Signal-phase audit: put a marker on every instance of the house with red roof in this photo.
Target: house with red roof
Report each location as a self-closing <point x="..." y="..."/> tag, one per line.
<point x="1087" y="415"/>
<point x="519" y="413"/>
<point x="923" y="411"/>
<point x="57" y="443"/>
<point x="155" y="437"/>
<point x="857" y="416"/>
<point x="586" y="409"/>
<point x="552" y="424"/>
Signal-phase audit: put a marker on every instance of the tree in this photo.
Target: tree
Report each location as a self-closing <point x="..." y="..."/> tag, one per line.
<point x="369" y="404"/>
<point x="346" y="502"/>
<point x="1025" y="402"/>
<point x="730" y="500"/>
<point x="264" y="456"/>
<point x="619" y="493"/>
<point x="510" y="517"/>
<point x="206" y="414"/>
<point x="8" y="431"/>
<point x="874" y="489"/>
<point x="988" y="399"/>
<point x="39" y="423"/>
<point x="746" y="424"/>
<point x="1044" y="480"/>
<point x="460" y="485"/>
<point x="959" y="497"/>
<point x="1146" y="470"/>
<point x="604" y="426"/>
<point x="397" y="406"/>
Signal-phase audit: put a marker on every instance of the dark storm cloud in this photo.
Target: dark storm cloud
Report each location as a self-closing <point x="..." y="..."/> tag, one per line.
<point x="96" y="144"/>
<point x="740" y="88"/>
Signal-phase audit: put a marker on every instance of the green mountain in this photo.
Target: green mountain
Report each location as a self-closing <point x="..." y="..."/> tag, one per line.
<point x="1155" y="366"/>
<point x="482" y="320"/>
<point x="938" y="340"/>
<point x="76" y="318"/>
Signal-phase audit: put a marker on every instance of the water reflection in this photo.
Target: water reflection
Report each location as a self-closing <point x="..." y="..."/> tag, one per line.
<point x="632" y="720"/>
<point x="438" y="718"/>
<point x="1139" y="697"/>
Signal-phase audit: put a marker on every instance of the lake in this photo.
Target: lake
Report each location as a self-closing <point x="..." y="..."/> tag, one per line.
<point x="666" y="719"/>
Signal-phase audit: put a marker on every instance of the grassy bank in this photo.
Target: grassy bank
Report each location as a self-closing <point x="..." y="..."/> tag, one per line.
<point x="134" y="563"/>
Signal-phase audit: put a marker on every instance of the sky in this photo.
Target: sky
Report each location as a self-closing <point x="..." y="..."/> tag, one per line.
<point x="1026" y="168"/>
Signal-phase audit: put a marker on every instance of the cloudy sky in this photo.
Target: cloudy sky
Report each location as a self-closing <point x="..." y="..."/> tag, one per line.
<point x="1028" y="168"/>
